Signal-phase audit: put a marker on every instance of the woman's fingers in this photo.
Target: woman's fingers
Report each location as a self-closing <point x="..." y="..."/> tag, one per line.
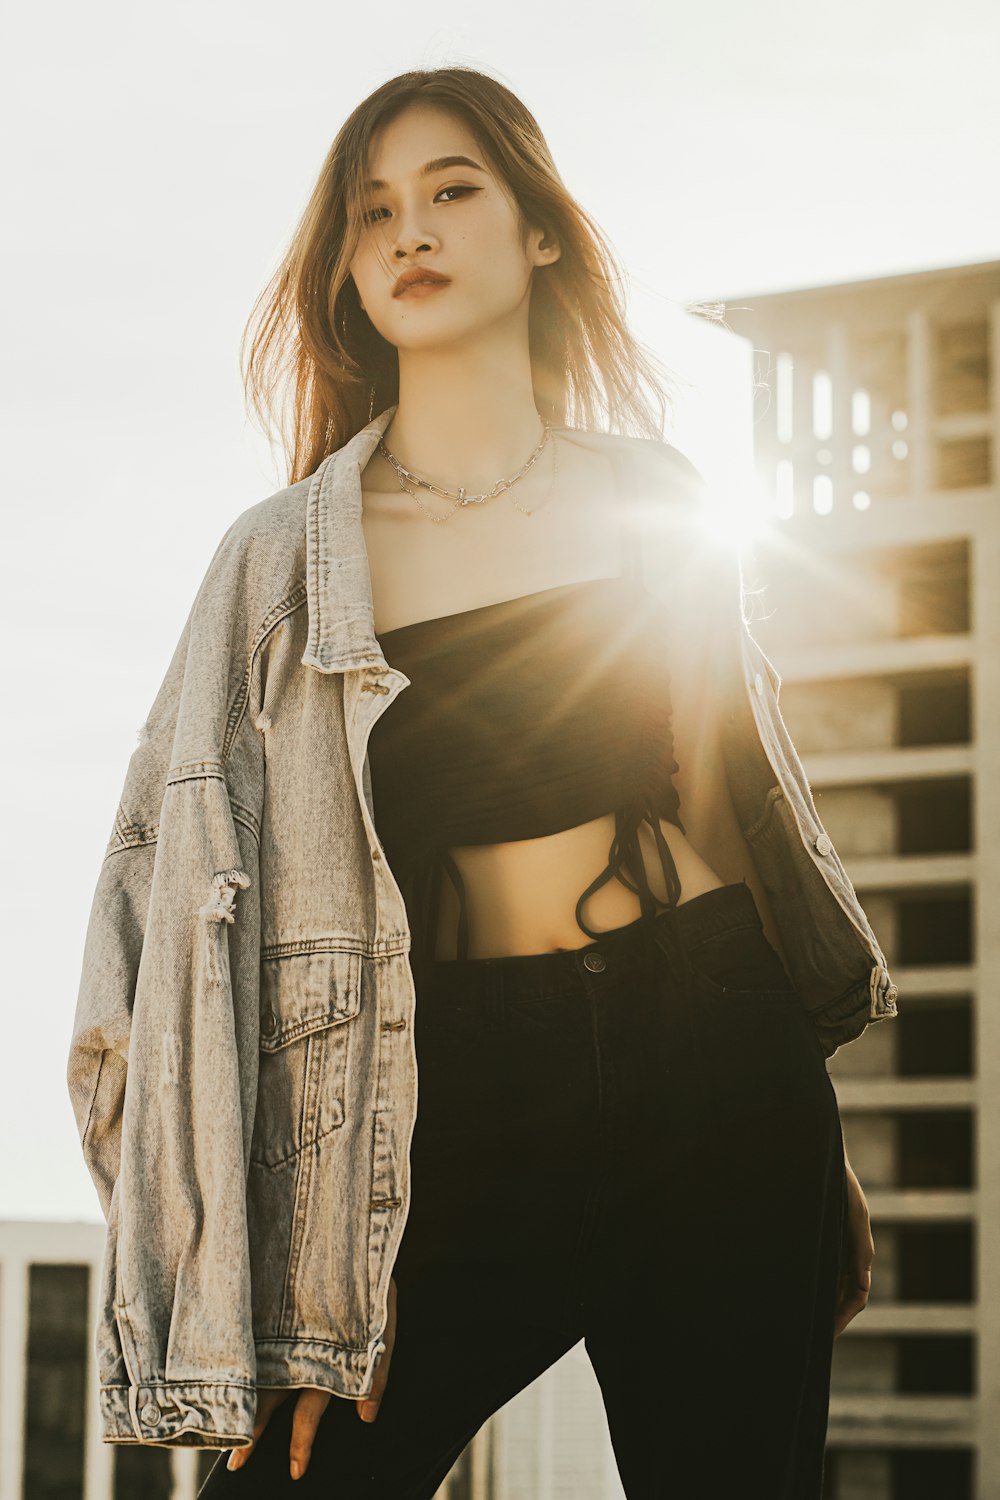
<point x="268" y="1398"/>
<point x="311" y="1405"/>
<point x="854" y="1294"/>
<point x="368" y="1405"/>
<point x="856" y="1280"/>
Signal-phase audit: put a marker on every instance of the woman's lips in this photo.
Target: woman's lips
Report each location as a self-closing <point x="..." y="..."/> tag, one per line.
<point x="423" y="288"/>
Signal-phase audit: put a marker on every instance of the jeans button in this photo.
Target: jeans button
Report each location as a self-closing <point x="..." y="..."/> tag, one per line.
<point x="594" y="962"/>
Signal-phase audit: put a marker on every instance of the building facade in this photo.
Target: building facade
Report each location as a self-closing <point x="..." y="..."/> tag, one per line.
<point x="877" y="595"/>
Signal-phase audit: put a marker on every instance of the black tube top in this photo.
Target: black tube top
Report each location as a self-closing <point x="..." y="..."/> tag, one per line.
<point x="524" y="718"/>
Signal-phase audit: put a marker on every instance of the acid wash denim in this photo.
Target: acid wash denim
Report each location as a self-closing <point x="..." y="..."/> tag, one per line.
<point x="242" y="1064"/>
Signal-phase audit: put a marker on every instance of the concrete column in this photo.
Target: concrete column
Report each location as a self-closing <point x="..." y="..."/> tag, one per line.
<point x="13" y="1372"/>
<point x="184" y="1464"/>
<point x="545" y="1482"/>
<point x="99" y="1457"/>
<point x="919" y="434"/>
<point x="986" y="928"/>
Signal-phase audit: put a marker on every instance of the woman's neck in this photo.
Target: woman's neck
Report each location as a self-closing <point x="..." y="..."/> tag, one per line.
<point x="461" y="421"/>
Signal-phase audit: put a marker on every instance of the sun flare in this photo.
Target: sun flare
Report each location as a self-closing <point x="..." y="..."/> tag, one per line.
<point x="737" y="516"/>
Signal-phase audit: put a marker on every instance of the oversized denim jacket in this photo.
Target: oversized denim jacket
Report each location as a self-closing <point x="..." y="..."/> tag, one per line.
<point x="242" y="1064"/>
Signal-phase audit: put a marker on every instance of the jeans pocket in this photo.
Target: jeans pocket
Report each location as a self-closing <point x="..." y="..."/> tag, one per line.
<point x="742" y="964"/>
<point x="742" y="972"/>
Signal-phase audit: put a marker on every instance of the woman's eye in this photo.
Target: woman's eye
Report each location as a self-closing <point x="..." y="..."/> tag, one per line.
<point x="458" y="190"/>
<point x="370" y="217"/>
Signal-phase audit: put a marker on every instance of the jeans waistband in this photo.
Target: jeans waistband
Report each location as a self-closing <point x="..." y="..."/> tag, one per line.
<point x="615" y="955"/>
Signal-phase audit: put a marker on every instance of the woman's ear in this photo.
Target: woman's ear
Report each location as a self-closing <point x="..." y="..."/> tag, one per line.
<point x="547" y="248"/>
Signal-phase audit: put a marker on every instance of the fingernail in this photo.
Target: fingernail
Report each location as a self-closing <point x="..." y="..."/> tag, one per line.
<point x="296" y="1469"/>
<point x="234" y="1460"/>
<point x="369" y="1411"/>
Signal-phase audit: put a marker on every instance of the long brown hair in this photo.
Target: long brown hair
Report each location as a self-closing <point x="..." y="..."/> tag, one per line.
<point x="318" y="369"/>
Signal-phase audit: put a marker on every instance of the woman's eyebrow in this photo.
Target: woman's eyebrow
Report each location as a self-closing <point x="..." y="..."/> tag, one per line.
<point x="437" y="165"/>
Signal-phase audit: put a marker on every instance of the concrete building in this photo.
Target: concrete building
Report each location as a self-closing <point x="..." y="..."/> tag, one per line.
<point x="877" y="427"/>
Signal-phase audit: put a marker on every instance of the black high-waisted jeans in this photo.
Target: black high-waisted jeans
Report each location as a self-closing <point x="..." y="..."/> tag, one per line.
<point x="598" y="1157"/>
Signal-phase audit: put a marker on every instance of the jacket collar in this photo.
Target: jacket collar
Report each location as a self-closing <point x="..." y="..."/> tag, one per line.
<point x="338" y="581"/>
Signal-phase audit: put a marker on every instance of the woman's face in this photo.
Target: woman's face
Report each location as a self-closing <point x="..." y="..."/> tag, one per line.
<point x="458" y="220"/>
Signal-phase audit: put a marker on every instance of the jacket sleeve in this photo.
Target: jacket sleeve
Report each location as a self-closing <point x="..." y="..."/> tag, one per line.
<point x="801" y="885"/>
<point x="162" y="1069"/>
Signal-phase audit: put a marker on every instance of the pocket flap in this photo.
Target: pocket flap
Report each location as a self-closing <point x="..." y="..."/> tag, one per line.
<point x="303" y="992"/>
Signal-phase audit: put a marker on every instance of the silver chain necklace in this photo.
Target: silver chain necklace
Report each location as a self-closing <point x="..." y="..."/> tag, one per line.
<point x="462" y="497"/>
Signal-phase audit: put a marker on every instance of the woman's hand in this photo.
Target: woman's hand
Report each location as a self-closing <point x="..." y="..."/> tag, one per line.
<point x="856" y="1280"/>
<point x="313" y="1402"/>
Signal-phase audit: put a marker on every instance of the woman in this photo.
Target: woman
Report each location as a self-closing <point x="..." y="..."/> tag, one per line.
<point x="626" y="1129"/>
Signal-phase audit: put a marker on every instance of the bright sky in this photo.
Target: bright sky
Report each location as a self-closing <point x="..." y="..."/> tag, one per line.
<point x="157" y="161"/>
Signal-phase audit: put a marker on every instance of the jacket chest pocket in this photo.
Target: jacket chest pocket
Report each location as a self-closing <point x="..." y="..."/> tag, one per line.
<point x="306" y="1000"/>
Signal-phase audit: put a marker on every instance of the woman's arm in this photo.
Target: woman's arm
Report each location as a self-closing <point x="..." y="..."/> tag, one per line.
<point x="706" y="805"/>
<point x="161" y="1069"/>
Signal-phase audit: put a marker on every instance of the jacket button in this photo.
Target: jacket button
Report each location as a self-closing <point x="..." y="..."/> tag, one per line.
<point x="150" y="1414"/>
<point x="758" y="683"/>
<point x="594" y="962"/>
<point x="270" y="1023"/>
<point x="823" y="844"/>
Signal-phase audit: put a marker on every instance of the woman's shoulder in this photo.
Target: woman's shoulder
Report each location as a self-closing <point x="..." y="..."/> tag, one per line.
<point x="650" y="458"/>
<point x="279" y="517"/>
<point x="259" y="560"/>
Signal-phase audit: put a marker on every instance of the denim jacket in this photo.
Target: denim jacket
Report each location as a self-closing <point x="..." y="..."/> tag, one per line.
<point x="242" y="1064"/>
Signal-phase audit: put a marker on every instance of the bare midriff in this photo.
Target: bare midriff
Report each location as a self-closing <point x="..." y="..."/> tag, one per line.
<point x="521" y="897"/>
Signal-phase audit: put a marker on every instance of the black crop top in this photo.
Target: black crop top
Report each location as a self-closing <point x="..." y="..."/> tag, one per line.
<point x="524" y="718"/>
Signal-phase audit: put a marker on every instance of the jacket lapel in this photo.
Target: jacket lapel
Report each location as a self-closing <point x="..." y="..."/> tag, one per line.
<point x="338" y="581"/>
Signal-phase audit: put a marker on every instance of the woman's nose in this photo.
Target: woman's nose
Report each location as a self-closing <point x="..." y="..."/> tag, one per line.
<point x="410" y="244"/>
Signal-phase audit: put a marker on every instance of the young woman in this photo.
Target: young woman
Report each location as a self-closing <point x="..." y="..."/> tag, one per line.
<point x="591" y="920"/>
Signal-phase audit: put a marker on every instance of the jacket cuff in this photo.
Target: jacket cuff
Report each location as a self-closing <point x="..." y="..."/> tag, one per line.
<point x="195" y="1414"/>
<point x="844" y="1019"/>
